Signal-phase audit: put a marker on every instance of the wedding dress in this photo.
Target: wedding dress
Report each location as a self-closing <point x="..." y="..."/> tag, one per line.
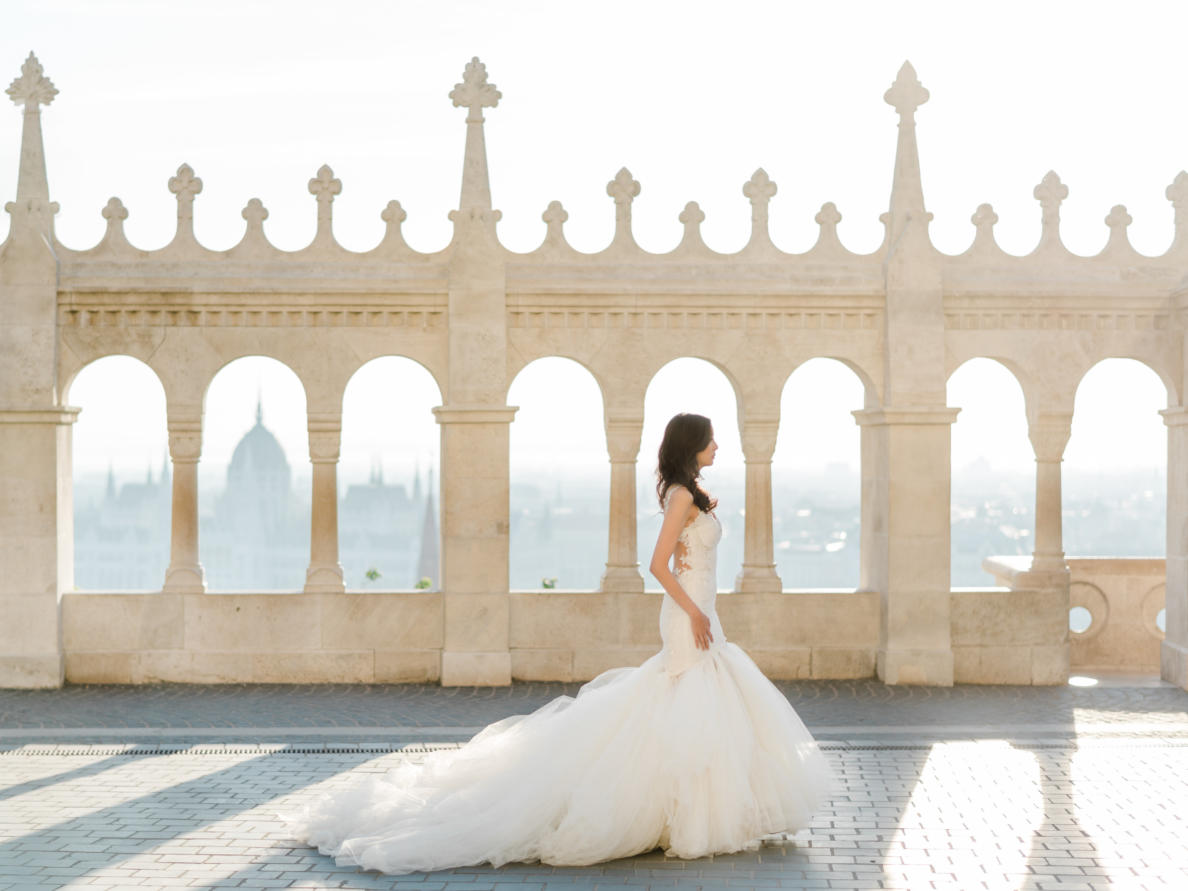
<point x="695" y="751"/>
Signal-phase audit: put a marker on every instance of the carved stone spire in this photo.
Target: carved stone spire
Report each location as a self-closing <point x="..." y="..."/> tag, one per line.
<point x="475" y="93"/>
<point x="31" y="91"/>
<point x="907" y="193"/>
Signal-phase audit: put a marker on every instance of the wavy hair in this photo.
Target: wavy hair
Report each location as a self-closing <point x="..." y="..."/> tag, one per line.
<point x="685" y="436"/>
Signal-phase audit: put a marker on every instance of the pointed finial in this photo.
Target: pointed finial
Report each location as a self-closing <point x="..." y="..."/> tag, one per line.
<point x="260" y="405"/>
<point x="554" y="217"/>
<point x="827" y="218"/>
<point x="394" y="214"/>
<point x="906" y="94"/>
<point x="324" y="187"/>
<point x="691" y="218"/>
<point x="760" y="190"/>
<point x="474" y="203"/>
<point x="393" y="242"/>
<point x="624" y="189"/>
<point x="474" y="92"/>
<point x="907" y="191"/>
<point x="1118" y="218"/>
<point x="32" y="207"/>
<point x="115" y="213"/>
<point x="32" y="88"/>
<point x="1177" y="194"/>
<point x="984" y="218"/>
<point x="255" y="213"/>
<point x="185" y="186"/>
<point x="1050" y="193"/>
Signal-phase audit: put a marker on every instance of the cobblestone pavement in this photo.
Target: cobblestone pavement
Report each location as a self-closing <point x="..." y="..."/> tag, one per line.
<point x="963" y="788"/>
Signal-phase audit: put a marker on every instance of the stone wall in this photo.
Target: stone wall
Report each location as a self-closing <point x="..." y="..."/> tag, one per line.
<point x="903" y="318"/>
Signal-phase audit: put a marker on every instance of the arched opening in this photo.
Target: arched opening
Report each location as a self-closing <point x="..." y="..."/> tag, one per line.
<point x="254" y="478"/>
<point x="992" y="471"/>
<point x="559" y="499"/>
<point x="815" y="477"/>
<point x="388" y="513"/>
<point x="1115" y="464"/>
<point x="122" y="477"/>
<point x="694" y="385"/>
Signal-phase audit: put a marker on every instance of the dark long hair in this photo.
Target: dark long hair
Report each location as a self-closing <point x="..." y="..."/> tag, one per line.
<point x="685" y="436"/>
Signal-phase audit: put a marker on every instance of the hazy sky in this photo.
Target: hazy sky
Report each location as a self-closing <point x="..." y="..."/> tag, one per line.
<point x="692" y="97"/>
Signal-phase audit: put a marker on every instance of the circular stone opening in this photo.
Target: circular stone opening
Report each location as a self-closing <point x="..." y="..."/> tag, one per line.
<point x="1161" y="620"/>
<point x="1079" y="620"/>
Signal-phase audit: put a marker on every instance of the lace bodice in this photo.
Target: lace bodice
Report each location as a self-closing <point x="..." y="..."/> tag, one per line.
<point x="696" y="550"/>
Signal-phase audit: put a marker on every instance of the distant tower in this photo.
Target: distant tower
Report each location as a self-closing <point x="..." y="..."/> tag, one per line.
<point x="428" y="563"/>
<point x="111" y="489"/>
<point x="165" y="469"/>
<point x="417" y="483"/>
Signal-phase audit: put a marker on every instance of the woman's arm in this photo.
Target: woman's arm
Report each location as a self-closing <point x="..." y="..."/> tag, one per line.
<point x="676" y="515"/>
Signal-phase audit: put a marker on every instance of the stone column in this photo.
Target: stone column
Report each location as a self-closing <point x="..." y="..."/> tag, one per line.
<point x="1174" y="650"/>
<point x="758" y="569"/>
<point x="36" y="543"/>
<point x="1049" y="432"/>
<point x="910" y="500"/>
<point x="185" y="574"/>
<point x="872" y="535"/>
<point x="622" y="562"/>
<point x="474" y="544"/>
<point x="36" y="504"/>
<point x="325" y="571"/>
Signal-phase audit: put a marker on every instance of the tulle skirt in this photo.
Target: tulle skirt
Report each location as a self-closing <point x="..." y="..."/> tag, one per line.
<point x="702" y="762"/>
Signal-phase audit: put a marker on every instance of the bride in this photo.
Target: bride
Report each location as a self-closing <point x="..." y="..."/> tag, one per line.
<point x="694" y="751"/>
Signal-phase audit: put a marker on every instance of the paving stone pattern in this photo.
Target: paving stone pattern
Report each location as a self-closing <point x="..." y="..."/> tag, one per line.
<point x="1072" y="809"/>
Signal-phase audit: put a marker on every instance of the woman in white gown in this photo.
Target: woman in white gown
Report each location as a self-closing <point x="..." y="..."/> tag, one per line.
<point x="694" y="751"/>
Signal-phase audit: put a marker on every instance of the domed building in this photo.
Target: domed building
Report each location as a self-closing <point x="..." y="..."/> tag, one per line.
<point x="259" y="482"/>
<point x="258" y="535"/>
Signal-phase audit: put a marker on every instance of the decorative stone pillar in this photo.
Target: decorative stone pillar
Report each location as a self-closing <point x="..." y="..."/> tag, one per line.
<point x="1174" y="650"/>
<point x="1049" y="432"/>
<point x="325" y="571"/>
<point x="474" y="544"/>
<point x="909" y="499"/>
<point x="872" y="535"/>
<point x="36" y="504"/>
<point x="622" y="562"/>
<point x="185" y="574"/>
<point x="758" y="569"/>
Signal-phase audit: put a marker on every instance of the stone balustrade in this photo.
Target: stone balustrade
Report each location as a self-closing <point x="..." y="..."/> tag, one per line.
<point x="903" y="318"/>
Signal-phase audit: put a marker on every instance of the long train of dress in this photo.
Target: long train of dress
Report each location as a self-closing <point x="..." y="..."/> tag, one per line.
<point x="695" y="751"/>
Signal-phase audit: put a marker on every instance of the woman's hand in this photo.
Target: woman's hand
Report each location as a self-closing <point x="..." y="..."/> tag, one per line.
<point x="701" y="629"/>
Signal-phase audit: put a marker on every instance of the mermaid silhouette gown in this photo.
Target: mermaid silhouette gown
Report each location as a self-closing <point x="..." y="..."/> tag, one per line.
<point x="694" y="751"/>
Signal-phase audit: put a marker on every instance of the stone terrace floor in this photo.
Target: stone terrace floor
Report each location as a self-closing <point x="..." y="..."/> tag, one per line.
<point x="966" y="788"/>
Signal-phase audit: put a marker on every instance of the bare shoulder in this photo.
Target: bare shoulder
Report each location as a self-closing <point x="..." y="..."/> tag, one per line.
<point x="679" y="495"/>
<point x="680" y="500"/>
